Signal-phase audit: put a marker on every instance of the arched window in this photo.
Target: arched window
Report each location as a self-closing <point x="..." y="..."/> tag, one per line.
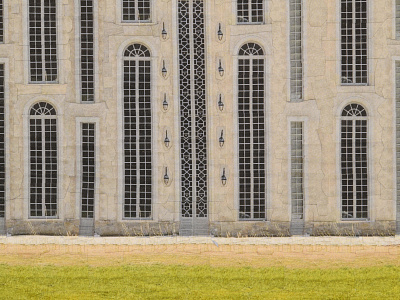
<point x="251" y="129"/>
<point x="137" y="132"/>
<point x="354" y="162"/>
<point x="43" y="161"/>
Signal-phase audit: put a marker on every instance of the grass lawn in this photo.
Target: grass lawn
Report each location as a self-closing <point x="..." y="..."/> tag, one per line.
<point x="160" y="281"/>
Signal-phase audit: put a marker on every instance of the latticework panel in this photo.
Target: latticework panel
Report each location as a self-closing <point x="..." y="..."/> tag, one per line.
<point x="193" y="114"/>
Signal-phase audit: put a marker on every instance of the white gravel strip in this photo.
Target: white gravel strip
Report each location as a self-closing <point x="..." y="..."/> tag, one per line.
<point x="168" y="240"/>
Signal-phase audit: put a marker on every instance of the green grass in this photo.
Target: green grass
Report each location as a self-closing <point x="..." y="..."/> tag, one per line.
<point x="197" y="282"/>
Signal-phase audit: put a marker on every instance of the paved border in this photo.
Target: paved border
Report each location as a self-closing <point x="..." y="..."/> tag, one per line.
<point x="170" y="240"/>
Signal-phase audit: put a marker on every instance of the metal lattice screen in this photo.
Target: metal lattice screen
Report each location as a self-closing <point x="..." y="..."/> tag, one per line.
<point x="192" y="93"/>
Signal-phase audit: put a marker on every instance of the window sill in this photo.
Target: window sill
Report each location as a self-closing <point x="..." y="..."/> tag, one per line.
<point x="135" y="23"/>
<point x="356" y="89"/>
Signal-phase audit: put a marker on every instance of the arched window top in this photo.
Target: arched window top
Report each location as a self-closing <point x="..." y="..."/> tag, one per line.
<point x="42" y="109"/>
<point x="251" y="49"/>
<point x="137" y="50"/>
<point x="354" y="110"/>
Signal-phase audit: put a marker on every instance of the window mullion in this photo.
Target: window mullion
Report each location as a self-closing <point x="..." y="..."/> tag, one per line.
<point x="136" y="10"/>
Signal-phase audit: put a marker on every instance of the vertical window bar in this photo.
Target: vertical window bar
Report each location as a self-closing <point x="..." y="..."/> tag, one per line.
<point x="88" y="169"/>
<point x="354" y="42"/>
<point x="250" y="11"/>
<point x="296" y="49"/>
<point x="136" y="10"/>
<point x="42" y="41"/>
<point x="1" y="21"/>
<point x="297" y="170"/>
<point x="87" y="51"/>
<point x="2" y="144"/>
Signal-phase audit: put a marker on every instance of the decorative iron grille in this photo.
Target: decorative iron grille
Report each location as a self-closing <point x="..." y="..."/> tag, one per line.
<point x="193" y="114"/>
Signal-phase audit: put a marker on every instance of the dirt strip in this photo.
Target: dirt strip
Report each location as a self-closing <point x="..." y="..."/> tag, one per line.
<point x="291" y="256"/>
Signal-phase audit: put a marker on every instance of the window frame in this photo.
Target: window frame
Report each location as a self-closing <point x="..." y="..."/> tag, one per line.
<point x="57" y="48"/>
<point x="302" y="54"/>
<point x="265" y="136"/>
<point x="122" y="129"/>
<point x="354" y="56"/>
<point x="368" y="164"/>
<point x="78" y="51"/>
<point x="250" y="11"/>
<point x="58" y="152"/>
<point x="136" y="21"/>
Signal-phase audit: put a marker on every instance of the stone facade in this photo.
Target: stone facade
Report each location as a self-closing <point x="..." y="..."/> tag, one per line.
<point x="324" y="98"/>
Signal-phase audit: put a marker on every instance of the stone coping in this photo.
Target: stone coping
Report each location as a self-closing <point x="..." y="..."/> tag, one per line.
<point x="170" y="240"/>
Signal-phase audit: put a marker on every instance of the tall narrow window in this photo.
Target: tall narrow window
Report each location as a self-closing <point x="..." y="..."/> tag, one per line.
<point x="2" y="144"/>
<point x="250" y="11"/>
<point x="42" y="41"/>
<point x="87" y="51"/>
<point x="354" y="41"/>
<point x="296" y="49"/>
<point x="137" y="132"/>
<point x="251" y="125"/>
<point x="88" y="169"/>
<point x="398" y="19"/>
<point x="398" y="146"/>
<point x="297" y="170"/>
<point x="136" y="10"/>
<point x="43" y="161"/>
<point x="1" y="21"/>
<point x="354" y="163"/>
